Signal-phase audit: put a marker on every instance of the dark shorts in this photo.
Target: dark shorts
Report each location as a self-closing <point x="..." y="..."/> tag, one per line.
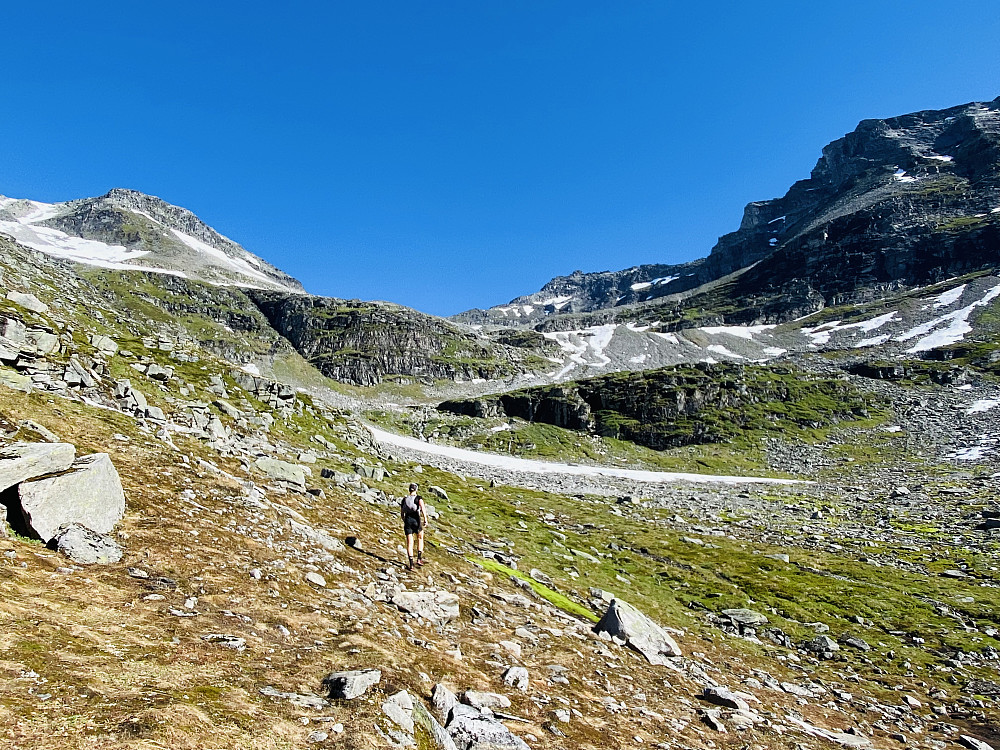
<point x="411" y="524"/>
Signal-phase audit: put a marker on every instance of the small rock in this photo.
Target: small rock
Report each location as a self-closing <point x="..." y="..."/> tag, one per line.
<point x="516" y="677"/>
<point x="86" y="547"/>
<point x="226" y="641"/>
<point x="316" y="579"/>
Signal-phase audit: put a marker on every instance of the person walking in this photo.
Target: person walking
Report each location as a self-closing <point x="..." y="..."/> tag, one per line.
<point x="414" y="515"/>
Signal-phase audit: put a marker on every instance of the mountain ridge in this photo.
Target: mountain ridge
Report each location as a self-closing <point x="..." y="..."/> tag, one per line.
<point x="907" y="178"/>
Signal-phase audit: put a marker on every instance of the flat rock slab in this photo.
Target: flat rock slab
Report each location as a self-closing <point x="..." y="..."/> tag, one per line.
<point x="86" y="547"/>
<point x="470" y="730"/>
<point x="479" y="699"/>
<point x="282" y="471"/>
<point x="439" y="607"/>
<point x="352" y="684"/>
<point x="27" y="301"/>
<point x="90" y="494"/>
<point x="22" y="461"/>
<point x="624" y="621"/>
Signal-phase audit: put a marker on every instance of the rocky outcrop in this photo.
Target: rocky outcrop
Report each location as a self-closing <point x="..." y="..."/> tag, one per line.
<point x="367" y="342"/>
<point x="676" y="406"/>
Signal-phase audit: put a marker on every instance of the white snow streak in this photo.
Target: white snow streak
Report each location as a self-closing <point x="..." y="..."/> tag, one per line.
<point x="530" y="466"/>
<point x="948" y="328"/>
<point x="946" y="299"/>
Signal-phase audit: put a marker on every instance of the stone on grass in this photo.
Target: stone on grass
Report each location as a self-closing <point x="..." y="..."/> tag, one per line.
<point x="90" y="493"/>
<point x="439" y="607"/>
<point x="726" y="698"/>
<point x="104" y="344"/>
<point x="972" y="743"/>
<point x="226" y="641"/>
<point x="282" y="471"/>
<point x="745" y="617"/>
<point x="27" y="301"/>
<point x="351" y="684"/>
<point x="624" y="621"/>
<point x="22" y="461"/>
<point x="472" y="731"/>
<point x="86" y="547"/>
<point x="316" y="579"/>
<point x="516" y="677"/>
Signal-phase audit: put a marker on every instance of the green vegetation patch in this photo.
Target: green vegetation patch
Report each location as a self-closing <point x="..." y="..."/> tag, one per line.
<point x="553" y="597"/>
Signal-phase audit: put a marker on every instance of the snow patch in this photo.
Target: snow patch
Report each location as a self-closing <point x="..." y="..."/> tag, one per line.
<point x="983" y="404"/>
<point x="720" y="349"/>
<point x="742" y="332"/>
<point x="948" y="328"/>
<point x="946" y="299"/>
<point x="531" y="466"/>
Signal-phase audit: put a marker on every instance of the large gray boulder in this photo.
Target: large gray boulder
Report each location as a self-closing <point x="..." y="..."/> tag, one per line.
<point x="90" y="494"/>
<point x="472" y="730"/>
<point x="22" y="461"/>
<point x="624" y="621"/>
<point x="439" y="607"/>
<point x="86" y="547"/>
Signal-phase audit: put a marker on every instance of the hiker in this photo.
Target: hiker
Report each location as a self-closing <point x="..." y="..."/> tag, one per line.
<point x="414" y="516"/>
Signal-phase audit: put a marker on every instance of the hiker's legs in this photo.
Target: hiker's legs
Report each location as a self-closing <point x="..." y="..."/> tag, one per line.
<point x="420" y="543"/>
<point x="409" y="548"/>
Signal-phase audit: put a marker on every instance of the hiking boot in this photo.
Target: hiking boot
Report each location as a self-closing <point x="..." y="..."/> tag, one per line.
<point x="421" y="561"/>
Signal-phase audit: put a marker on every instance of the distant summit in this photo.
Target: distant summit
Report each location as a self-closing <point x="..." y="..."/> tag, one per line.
<point x="127" y="229"/>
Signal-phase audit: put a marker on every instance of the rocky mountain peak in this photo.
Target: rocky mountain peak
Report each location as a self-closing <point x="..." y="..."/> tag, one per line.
<point x="128" y="229"/>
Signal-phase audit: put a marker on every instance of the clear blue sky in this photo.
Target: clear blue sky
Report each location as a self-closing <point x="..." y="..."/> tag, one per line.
<point x="448" y="155"/>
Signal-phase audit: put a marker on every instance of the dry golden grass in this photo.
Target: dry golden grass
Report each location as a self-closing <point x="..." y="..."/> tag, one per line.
<point x="121" y="672"/>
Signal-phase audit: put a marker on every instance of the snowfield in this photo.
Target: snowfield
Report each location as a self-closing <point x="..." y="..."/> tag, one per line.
<point x="531" y="466"/>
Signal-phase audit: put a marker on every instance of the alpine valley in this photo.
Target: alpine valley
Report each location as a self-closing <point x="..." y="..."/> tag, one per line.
<point x="747" y="501"/>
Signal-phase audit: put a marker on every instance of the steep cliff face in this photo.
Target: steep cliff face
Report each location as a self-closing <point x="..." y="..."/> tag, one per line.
<point x="899" y="202"/>
<point x="677" y="406"/>
<point x="366" y="342"/>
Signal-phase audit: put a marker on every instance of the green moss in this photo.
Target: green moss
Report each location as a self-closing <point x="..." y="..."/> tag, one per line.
<point x="552" y="597"/>
<point x="962" y="223"/>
